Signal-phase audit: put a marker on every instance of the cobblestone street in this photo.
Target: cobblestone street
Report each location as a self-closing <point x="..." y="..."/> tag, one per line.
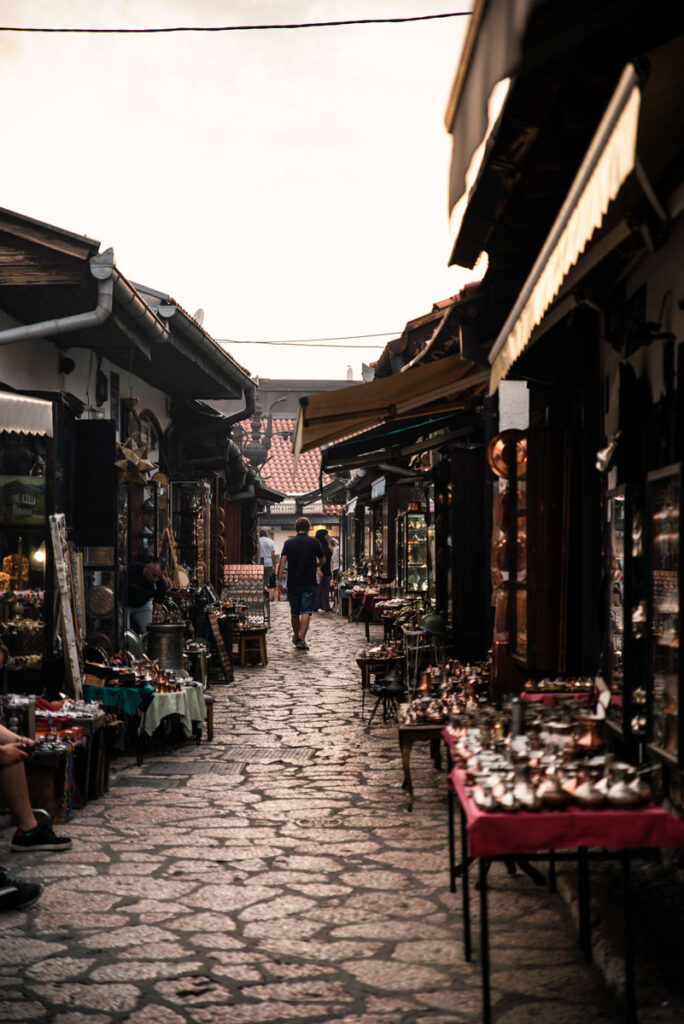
<point x="275" y="875"/>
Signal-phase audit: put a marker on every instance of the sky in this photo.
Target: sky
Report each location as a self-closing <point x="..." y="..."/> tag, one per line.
<point x="291" y="184"/>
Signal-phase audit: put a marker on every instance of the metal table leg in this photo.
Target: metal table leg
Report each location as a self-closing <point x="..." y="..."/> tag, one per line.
<point x="583" y="900"/>
<point x="467" y="945"/>
<point x="484" y="943"/>
<point x="630" y="1000"/>
<point x="452" y="852"/>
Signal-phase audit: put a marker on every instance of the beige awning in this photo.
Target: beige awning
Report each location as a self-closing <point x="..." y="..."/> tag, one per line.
<point x="437" y="387"/>
<point x="609" y="161"/>
<point x="22" y="415"/>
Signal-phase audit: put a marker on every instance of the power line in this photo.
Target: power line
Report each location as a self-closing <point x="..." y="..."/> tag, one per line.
<point x="236" y="28"/>
<point x="309" y="342"/>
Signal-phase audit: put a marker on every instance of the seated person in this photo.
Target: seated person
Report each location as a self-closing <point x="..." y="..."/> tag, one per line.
<point x="146" y="587"/>
<point x="31" y="834"/>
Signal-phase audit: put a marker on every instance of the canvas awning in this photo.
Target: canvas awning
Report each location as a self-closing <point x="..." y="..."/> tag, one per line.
<point x="20" y="414"/>
<point x="610" y="159"/>
<point x="438" y="387"/>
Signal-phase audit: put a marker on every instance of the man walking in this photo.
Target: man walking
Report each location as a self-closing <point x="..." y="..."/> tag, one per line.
<point x="302" y="555"/>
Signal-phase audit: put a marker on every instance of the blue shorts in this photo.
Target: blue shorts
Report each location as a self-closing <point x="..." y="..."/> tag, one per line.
<point x="301" y="600"/>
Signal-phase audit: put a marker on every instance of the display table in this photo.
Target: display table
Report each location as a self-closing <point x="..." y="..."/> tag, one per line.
<point x="415" y="733"/>
<point x="188" y="704"/>
<point x="589" y="834"/>
<point x="151" y="707"/>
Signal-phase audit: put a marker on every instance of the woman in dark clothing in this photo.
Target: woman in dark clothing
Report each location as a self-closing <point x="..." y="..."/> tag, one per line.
<point x="322" y="600"/>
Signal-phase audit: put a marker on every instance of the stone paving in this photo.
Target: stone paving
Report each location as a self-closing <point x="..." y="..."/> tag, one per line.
<point x="274" y="875"/>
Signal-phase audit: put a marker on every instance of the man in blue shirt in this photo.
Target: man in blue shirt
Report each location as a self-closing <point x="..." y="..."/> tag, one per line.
<point x="303" y="555"/>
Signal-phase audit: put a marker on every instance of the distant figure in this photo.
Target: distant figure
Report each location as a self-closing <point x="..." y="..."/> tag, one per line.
<point x="302" y="555"/>
<point x="335" y="560"/>
<point x="322" y="599"/>
<point x="266" y="555"/>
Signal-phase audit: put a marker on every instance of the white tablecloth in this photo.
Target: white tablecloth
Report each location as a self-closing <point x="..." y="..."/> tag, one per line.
<point x="188" y="703"/>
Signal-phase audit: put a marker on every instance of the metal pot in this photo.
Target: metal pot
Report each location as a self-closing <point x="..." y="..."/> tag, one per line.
<point x="165" y="642"/>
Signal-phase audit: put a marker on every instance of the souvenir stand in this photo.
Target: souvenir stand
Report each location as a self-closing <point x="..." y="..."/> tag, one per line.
<point x="246" y="601"/>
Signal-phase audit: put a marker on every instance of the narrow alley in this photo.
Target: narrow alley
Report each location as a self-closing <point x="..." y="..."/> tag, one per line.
<point x="274" y="874"/>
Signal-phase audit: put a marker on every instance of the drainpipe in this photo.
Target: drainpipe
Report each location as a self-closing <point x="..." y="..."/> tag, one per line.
<point x="109" y="283"/>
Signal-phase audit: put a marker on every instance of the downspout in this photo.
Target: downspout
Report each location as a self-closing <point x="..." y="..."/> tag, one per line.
<point x="109" y="283"/>
<point x="102" y="269"/>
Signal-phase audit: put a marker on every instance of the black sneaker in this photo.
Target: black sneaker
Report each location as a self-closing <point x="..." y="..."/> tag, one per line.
<point x="301" y="645"/>
<point x="39" y="838"/>
<point x="295" y="640"/>
<point x="15" y="894"/>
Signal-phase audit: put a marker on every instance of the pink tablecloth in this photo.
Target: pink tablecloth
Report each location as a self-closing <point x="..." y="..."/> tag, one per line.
<point x="492" y="834"/>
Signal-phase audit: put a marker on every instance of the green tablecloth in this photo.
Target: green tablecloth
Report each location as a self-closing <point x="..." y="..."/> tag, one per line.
<point x="123" y="698"/>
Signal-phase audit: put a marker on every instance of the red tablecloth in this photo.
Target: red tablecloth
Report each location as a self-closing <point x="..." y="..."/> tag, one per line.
<point x="549" y="698"/>
<point x="493" y="834"/>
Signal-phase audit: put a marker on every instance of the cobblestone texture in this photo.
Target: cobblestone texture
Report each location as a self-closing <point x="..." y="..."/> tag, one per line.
<point x="274" y="875"/>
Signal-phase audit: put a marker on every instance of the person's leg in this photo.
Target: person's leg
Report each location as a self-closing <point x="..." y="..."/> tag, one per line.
<point x="306" y="603"/>
<point x="14" y="789"/>
<point x="304" y="620"/>
<point x="294" y="612"/>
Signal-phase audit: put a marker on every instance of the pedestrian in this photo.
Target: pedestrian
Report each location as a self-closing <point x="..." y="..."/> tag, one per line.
<point x="335" y="561"/>
<point x="322" y="599"/>
<point x="266" y="555"/>
<point x="146" y="587"/>
<point x="302" y="555"/>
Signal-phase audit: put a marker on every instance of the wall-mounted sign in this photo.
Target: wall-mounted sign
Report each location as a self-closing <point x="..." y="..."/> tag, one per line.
<point x="378" y="488"/>
<point x="351" y="506"/>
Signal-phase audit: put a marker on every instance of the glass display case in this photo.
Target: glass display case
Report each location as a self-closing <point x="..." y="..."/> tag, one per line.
<point x="377" y="537"/>
<point x="413" y="570"/>
<point x="664" y="587"/>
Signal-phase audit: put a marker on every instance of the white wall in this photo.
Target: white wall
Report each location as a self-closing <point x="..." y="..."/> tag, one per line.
<point x="34" y="365"/>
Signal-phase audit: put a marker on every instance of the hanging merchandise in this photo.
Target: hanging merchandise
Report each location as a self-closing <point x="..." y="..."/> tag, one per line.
<point x="67" y="592"/>
<point x="131" y="463"/>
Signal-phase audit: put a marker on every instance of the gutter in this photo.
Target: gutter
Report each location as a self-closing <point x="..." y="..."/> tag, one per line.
<point x="110" y="284"/>
<point x="215" y="355"/>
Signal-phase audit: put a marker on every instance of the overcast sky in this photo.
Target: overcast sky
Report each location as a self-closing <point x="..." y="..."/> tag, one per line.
<point x="292" y="184"/>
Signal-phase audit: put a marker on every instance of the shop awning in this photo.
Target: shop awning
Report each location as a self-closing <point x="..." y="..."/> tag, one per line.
<point x="389" y="439"/>
<point x="22" y="415"/>
<point x="441" y="386"/>
<point x="610" y="159"/>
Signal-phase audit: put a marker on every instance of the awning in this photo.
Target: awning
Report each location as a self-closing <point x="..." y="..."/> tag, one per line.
<point x="22" y="415"/>
<point x="438" y="387"/>
<point x="609" y="161"/>
<point x="388" y="440"/>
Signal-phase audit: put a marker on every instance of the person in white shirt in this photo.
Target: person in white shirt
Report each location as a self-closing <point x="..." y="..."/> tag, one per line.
<point x="266" y="555"/>
<point x="335" y="561"/>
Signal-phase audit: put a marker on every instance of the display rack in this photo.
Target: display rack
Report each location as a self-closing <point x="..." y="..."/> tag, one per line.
<point x="243" y="587"/>
<point x="664" y="667"/>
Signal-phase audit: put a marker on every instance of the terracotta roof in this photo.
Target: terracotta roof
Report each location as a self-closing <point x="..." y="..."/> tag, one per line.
<point x="277" y="471"/>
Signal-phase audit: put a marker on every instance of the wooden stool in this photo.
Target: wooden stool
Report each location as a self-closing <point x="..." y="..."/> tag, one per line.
<point x="209" y="702"/>
<point x="253" y="647"/>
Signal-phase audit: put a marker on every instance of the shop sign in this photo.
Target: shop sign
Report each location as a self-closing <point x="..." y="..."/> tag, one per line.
<point x="378" y="488"/>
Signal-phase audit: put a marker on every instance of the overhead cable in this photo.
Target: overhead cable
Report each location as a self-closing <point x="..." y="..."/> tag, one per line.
<point x="234" y="28"/>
